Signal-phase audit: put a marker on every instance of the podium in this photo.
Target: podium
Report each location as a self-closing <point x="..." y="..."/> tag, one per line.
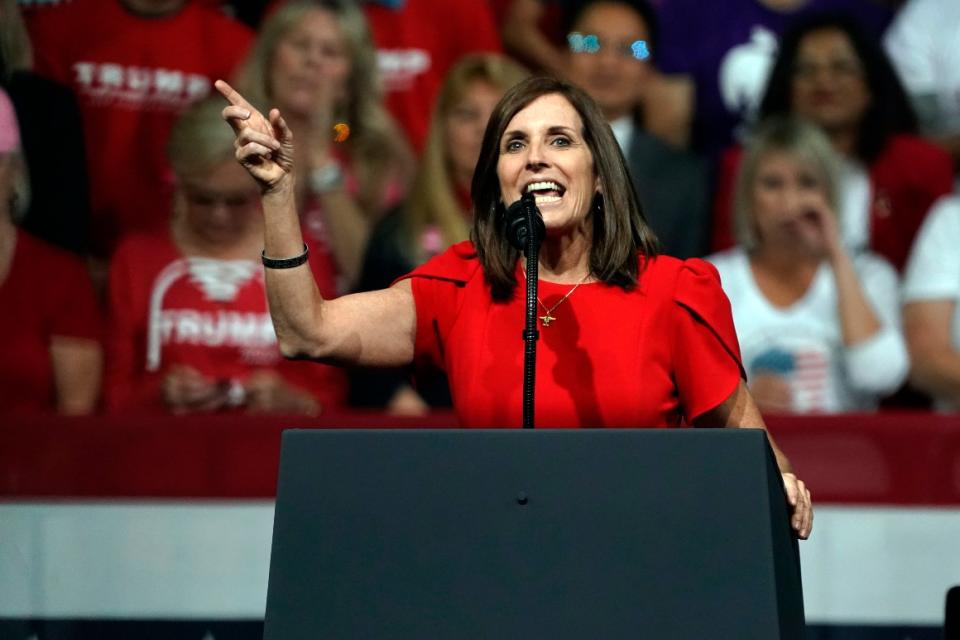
<point x="614" y="533"/>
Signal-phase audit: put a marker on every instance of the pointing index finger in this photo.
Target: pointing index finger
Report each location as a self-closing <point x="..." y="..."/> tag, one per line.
<point x="232" y="95"/>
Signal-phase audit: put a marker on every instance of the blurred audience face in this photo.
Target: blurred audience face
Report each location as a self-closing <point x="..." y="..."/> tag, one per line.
<point x="220" y="204"/>
<point x="310" y="64"/>
<point x="829" y="87"/>
<point x="612" y="76"/>
<point x="465" y="123"/>
<point x="786" y="191"/>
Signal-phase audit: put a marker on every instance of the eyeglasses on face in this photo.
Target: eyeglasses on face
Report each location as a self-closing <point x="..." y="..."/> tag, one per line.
<point x="590" y="43"/>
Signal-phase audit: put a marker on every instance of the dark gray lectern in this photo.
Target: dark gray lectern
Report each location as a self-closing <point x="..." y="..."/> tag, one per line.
<point x="501" y="534"/>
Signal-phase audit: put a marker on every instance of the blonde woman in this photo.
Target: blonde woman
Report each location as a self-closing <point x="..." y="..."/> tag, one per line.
<point x="315" y="62"/>
<point x="437" y="213"/>
<point x="189" y="325"/>
<point x="819" y="328"/>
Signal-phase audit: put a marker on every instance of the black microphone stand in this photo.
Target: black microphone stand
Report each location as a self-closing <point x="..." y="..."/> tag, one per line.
<point x="526" y="230"/>
<point x="530" y="332"/>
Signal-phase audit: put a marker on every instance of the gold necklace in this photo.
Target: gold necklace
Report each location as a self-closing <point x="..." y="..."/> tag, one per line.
<point x="546" y="318"/>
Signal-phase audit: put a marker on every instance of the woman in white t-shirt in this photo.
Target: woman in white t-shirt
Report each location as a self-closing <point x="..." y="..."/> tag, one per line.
<point x="818" y="327"/>
<point x="931" y="316"/>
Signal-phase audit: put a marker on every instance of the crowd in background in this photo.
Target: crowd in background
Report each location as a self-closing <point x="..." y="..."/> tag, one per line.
<point x="807" y="148"/>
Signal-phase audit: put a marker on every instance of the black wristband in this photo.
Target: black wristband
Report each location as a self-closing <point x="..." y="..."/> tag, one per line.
<point x="284" y="263"/>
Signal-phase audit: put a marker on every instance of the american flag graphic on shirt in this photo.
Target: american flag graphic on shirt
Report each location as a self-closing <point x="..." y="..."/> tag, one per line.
<point x="805" y="366"/>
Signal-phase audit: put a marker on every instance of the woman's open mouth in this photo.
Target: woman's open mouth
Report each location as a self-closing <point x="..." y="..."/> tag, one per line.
<point x="546" y="191"/>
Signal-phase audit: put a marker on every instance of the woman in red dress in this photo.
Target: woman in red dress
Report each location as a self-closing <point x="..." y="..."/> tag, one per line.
<point x="629" y="338"/>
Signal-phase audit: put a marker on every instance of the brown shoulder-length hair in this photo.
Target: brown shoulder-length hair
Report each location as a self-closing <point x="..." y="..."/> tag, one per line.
<point x="620" y="230"/>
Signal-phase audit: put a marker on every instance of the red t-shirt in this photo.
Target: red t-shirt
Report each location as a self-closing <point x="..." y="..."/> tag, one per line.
<point x="660" y="354"/>
<point x="46" y="294"/>
<point x="416" y="46"/>
<point x="212" y="315"/>
<point x="133" y="76"/>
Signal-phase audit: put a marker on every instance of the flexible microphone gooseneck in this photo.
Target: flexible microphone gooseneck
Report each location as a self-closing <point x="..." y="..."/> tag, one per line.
<point x="525" y="230"/>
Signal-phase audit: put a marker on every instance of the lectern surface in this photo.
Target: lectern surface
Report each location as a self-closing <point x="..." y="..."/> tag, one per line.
<point x="531" y="534"/>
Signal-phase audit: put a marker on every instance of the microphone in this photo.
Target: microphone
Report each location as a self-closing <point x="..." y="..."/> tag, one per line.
<point x="525" y="231"/>
<point x="518" y="227"/>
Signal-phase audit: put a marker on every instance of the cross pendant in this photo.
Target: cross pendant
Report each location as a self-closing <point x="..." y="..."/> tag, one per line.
<point x="547" y="319"/>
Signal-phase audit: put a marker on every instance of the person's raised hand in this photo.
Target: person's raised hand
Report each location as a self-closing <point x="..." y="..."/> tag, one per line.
<point x="801" y="507"/>
<point x="264" y="144"/>
<point x="818" y="226"/>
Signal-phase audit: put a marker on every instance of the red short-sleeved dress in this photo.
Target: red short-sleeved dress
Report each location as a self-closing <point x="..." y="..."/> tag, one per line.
<point x="656" y="356"/>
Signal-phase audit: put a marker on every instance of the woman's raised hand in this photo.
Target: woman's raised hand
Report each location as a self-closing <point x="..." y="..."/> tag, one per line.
<point x="818" y="225"/>
<point x="264" y="145"/>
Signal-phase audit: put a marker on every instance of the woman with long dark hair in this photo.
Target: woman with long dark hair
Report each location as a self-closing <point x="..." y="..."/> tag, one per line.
<point x="629" y="338"/>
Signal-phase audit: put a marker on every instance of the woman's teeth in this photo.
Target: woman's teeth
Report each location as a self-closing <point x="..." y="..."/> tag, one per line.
<point x="546" y="199"/>
<point x="545" y="192"/>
